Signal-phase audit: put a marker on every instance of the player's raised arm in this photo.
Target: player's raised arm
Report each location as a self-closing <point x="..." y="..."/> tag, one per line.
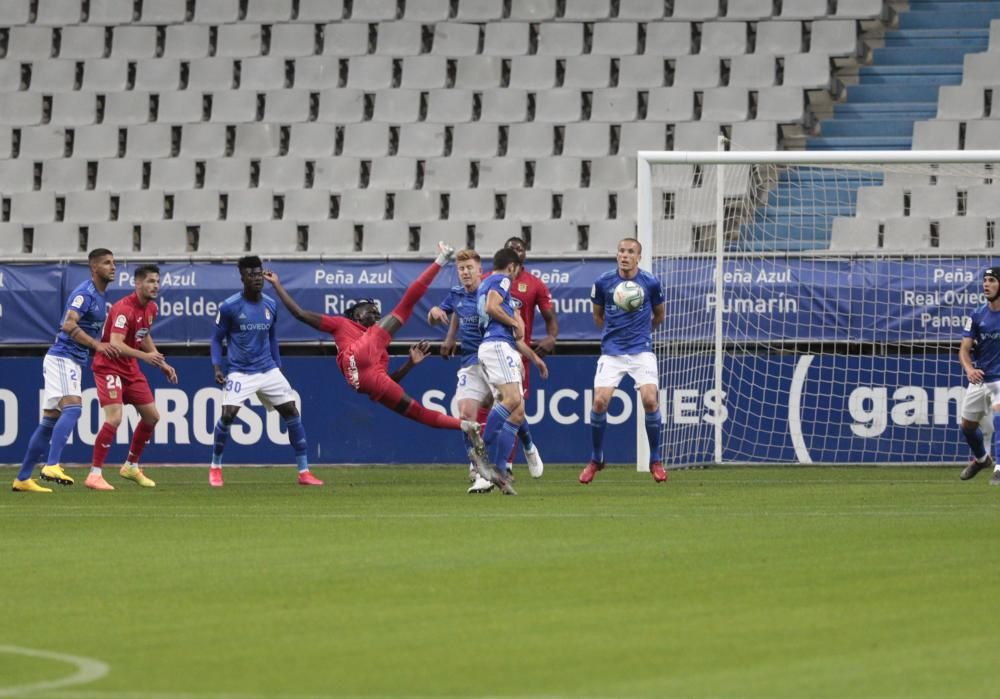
<point x="310" y="318"/>
<point x="418" y="353"/>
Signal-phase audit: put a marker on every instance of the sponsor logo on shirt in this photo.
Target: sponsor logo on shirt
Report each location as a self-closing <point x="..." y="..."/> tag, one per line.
<point x="77" y="301"/>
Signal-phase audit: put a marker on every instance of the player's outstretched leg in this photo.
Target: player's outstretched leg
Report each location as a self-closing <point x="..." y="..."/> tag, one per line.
<point x="53" y="470"/>
<point x="415" y="291"/>
<point x="35" y="453"/>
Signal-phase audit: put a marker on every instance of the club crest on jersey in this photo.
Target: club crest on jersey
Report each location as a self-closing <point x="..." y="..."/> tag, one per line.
<point x="112" y="394"/>
<point x="120" y="321"/>
<point x="522" y="287"/>
<point x="77" y="301"/>
<point x="267" y="314"/>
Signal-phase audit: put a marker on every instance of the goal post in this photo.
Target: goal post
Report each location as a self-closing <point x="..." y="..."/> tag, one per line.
<point x="814" y="301"/>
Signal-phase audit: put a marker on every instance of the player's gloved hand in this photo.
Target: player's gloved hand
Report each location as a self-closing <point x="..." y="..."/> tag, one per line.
<point x="545" y="346"/>
<point x="437" y="316"/>
<point x="108" y="350"/>
<point x="220" y="378"/>
<point x="419" y="351"/>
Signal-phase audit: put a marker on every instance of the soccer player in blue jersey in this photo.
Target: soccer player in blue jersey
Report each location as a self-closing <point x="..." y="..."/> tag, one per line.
<point x="464" y="336"/>
<point x="626" y="348"/>
<point x="246" y="322"/>
<point x="62" y="368"/>
<point x="503" y="338"/>
<point x="979" y="354"/>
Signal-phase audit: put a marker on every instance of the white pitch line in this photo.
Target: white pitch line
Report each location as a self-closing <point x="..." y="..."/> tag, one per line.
<point x="87" y="670"/>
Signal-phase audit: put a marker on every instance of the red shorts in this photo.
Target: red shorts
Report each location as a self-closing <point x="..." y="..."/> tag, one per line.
<point x="118" y="387"/>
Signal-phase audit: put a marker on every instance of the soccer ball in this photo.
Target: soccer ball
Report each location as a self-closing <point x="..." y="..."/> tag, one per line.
<point x="629" y="296"/>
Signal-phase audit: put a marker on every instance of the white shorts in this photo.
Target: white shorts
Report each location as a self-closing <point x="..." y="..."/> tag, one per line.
<point x="271" y="387"/>
<point x="611" y="369"/>
<point x="62" y="378"/>
<point x="472" y="383"/>
<point x="979" y="400"/>
<point x="501" y="363"/>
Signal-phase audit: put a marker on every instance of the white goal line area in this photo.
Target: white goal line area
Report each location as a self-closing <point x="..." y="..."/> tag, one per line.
<point x="815" y="301"/>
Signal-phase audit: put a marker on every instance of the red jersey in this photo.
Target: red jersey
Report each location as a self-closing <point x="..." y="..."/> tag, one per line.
<point x="530" y="291"/>
<point x="134" y="320"/>
<point x="346" y="333"/>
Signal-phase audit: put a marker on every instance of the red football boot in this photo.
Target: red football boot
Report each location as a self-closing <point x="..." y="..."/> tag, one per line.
<point x="588" y="473"/>
<point x="657" y="472"/>
<point x="306" y="478"/>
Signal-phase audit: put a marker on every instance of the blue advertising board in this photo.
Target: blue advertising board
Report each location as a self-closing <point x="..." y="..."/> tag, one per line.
<point x="785" y="407"/>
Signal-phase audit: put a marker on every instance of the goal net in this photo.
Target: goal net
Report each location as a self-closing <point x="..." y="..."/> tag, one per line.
<point x="815" y="301"/>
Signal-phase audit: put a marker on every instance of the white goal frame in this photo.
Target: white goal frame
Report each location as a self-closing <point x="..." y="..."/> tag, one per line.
<point x="644" y="220"/>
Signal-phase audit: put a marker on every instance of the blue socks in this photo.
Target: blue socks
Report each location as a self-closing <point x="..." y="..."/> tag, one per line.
<point x="494" y="421"/>
<point x="653" y="428"/>
<point x="221" y="436"/>
<point x="598" y="424"/>
<point x="61" y="432"/>
<point x="975" y="440"/>
<point x="505" y="442"/>
<point x="36" y="447"/>
<point x="524" y="434"/>
<point x="297" y="438"/>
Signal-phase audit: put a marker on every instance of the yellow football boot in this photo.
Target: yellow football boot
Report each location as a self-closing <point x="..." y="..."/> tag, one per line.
<point x="56" y="474"/>
<point x="28" y="486"/>
<point x="135" y="474"/>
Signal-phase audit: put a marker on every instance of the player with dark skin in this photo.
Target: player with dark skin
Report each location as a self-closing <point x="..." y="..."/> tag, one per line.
<point x="253" y="289"/>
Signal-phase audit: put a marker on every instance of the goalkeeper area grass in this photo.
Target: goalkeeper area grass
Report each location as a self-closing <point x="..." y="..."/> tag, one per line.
<point x="392" y="582"/>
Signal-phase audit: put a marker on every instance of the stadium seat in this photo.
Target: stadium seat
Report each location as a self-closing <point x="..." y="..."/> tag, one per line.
<point x="696" y="135"/>
<point x="906" y="234"/>
<point x="603" y="236"/>
<point x="130" y="43"/>
<point x="344" y="39"/>
<point x="479" y="10"/>
<point x="941" y="135"/>
<point x="11" y="78"/>
<point x="983" y="200"/>
<point x="216" y="12"/>
<point x="250" y="205"/>
<point x="804" y="9"/>
<point x="196" y="205"/>
<point x="79" y="42"/>
<point x="227" y="173"/>
<point x="427" y="11"/>
<point x="531" y="140"/>
<point x="18" y="12"/>
<point x="880" y="203"/>
<point x="286" y="106"/>
<point x="724" y="38"/>
<point x="141" y="206"/>
<point x="399" y="38"/>
<point x="186" y="42"/>
<point x="672" y="237"/>
<point x="241" y="40"/>
<point x="263" y="73"/>
<point x="164" y="238"/>
<point x="21" y="109"/>
<point x="367" y="140"/>
<point x="725" y="104"/>
<point x="145" y="141"/>
<point x="587" y="72"/>
<point x="555" y="237"/>
<point x="454" y="233"/>
<point x="934" y="201"/>
<point x="46" y="76"/>
<point x="180" y="107"/>
<point x="558" y="106"/>
<point x="393" y="173"/>
<point x="18" y="176"/>
<point x="127" y="108"/>
<point x="312" y="139"/>
<point x="490" y="236"/>
<point x="207" y="74"/>
<point x="476" y="140"/>
<point x="42" y="142"/>
<point x="447" y="173"/>
<point x="755" y="135"/>
<point x="528" y="205"/>
<point x="307" y="205"/>
<point x="507" y="39"/>
<point x="779" y="38"/>
<point x="397" y="106"/>
<point x="282" y="174"/>
<point x="6" y="142"/>
<point x="317" y="73"/>
<point x="670" y="104"/>
<point x="696" y="10"/>
<point x="104" y="75"/>
<point x="223" y="237"/>
<point x="835" y="37"/>
<point x="374" y="11"/>
<point x="106" y="12"/>
<point x="87" y="207"/>
<point x="961" y="102"/>
<point x="29" y="43"/>
<point x="749" y="9"/>
<point x="533" y="72"/>
<point x="276" y="237"/>
<point x="384" y="237"/>
<point x="753" y="71"/>
<point x="862" y="9"/>
<point x="472" y="205"/>
<point x="363" y="205"/>
<point x="293" y="40"/>
<point x="336" y="174"/>
<point x="810" y="71"/>
<point x="455" y="39"/>
<point x="979" y="135"/>
<point x="32" y="207"/>
<point x="331" y="237"/>
<point x="499" y="173"/>
<point x="667" y="39"/>
<point x="697" y="71"/>
<point x="119" y="175"/>
<point x="416" y="206"/>
<point x="164" y="11"/>
<point x="268" y="11"/>
<point x="478" y="72"/>
<point x="341" y="106"/>
<point x="614" y="105"/>
<point x="962" y="233"/>
<point x="504" y="106"/>
<point x="636" y="136"/>
<point x="560" y="39"/>
<point x="158" y="74"/>
<point x="613" y="172"/>
<point x="449" y="106"/>
<point x="370" y="72"/>
<point x="781" y="104"/>
<point x="58" y="13"/>
<point x="54" y="239"/>
<point x="533" y="10"/>
<point x="586" y="140"/>
<point x="59" y="176"/>
<point x="557" y="173"/>
<point x="257" y="140"/>
<point x="424" y="72"/>
<point x="615" y="38"/>
<point x="585" y="205"/>
<point x="118" y="236"/>
<point x="320" y="10"/>
<point x="854" y="234"/>
<point x="170" y="174"/>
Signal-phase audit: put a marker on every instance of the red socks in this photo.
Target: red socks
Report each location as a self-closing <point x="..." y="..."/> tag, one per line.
<point x="102" y="445"/>
<point x="415" y="291"/>
<point x="143" y="432"/>
<point x="432" y="418"/>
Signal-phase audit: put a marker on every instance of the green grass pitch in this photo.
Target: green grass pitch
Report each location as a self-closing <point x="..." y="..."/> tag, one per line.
<point x="392" y="582"/>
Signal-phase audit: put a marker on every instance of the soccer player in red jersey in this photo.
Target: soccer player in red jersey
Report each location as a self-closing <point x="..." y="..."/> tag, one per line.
<point x="362" y="336"/>
<point x="530" y="292"/>
<point x="119" y="380"/>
